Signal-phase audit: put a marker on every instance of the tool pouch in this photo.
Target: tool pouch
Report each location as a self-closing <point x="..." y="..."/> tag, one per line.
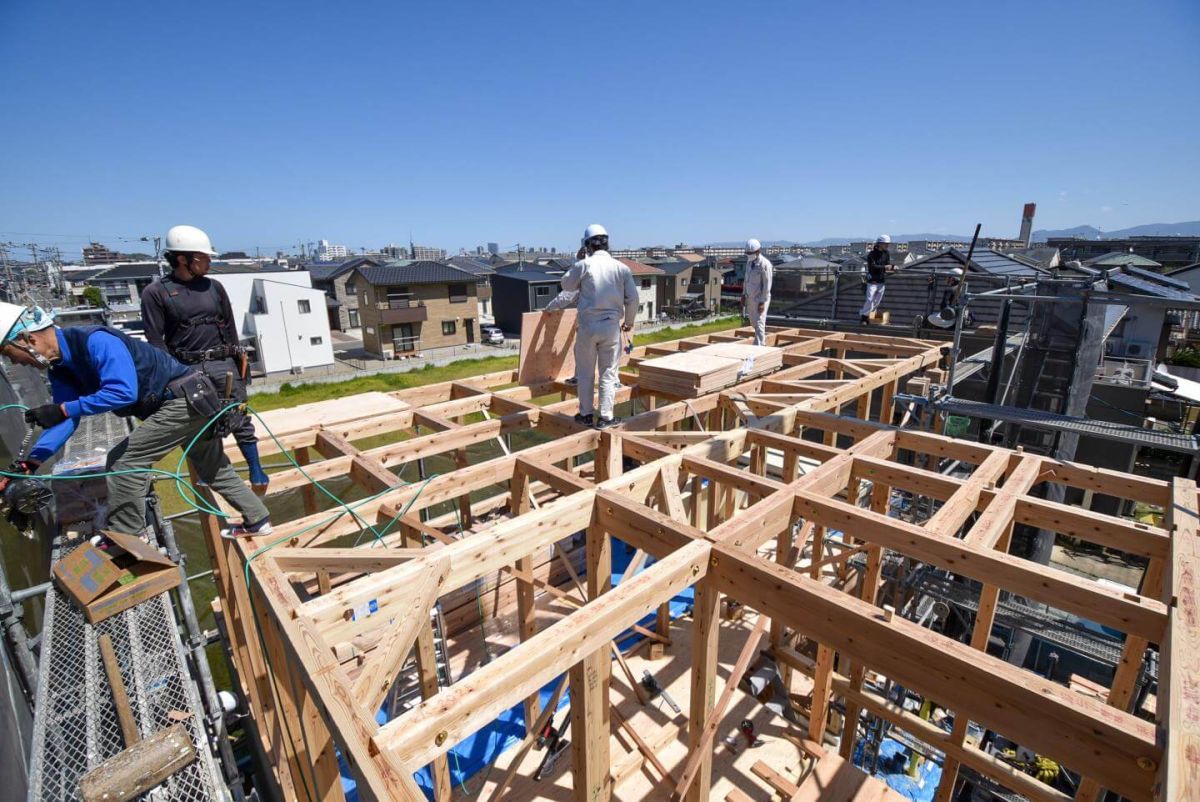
<point x="202" y="398"/>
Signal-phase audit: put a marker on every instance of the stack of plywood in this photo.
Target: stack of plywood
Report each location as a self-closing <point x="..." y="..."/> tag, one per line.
<point x="693" y="373"/>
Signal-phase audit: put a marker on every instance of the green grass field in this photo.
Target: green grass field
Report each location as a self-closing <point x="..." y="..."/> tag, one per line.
<point x="290" y="395"/>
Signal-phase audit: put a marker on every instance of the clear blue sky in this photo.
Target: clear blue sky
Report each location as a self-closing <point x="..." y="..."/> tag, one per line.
<point x="271" y="122"/>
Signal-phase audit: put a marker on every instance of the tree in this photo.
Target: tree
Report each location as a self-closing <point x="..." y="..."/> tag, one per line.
<point x="93" y="296"/>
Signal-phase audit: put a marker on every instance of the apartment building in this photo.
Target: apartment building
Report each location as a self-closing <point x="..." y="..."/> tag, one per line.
<point x="415" y="307"/>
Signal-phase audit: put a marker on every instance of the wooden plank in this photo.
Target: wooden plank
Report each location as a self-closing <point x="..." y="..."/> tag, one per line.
<point x="1178" y="709"/>
<point x="547" y="346"/>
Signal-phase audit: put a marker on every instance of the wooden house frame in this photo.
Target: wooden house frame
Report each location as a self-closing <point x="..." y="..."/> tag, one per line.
<point x="732" y="494"/>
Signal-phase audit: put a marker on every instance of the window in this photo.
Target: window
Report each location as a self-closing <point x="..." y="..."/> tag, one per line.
<point x="259" y="307"/>
<point x="449" y="327"/>
<point x="403" y="339"/>
<point x="458" y="293"/>
<point x="683" y="282"/>
<point x="645" y="284"/>
<point x="354" y="322"/>
<point x="305" y="307"/>
<point x="315" y="340"/>
<point x="350" y="287"/>
<point x="542" y="291"/>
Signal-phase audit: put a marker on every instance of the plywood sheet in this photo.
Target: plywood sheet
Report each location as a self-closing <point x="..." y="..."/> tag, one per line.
<point x="547" y="346"/>
<point x="338" y="410"/>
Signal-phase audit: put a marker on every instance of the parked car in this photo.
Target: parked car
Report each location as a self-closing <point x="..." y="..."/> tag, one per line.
<point x="491" y="335"/>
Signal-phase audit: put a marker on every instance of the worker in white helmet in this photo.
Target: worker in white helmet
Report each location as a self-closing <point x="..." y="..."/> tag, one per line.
<point x="879" y="264"/>
<point x="756" y="289"/>
<point x="97" y="369"/>
<point x="608" y="302"/>
<point x="188" y="315"/>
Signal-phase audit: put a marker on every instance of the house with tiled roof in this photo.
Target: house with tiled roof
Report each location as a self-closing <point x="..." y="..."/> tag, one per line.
<point x="336" y="279"/>
<point x="686" y="283"/>
<point x="409" y="308"/>
<point x="646" y="277"/>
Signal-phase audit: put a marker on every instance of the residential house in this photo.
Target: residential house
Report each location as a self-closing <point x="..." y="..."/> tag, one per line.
<point x="646" y="277"/>
<point x="337" y="281"/>
<point x="123" y="283"/>
<point x="521" y="288"/>
<point x="483" y="272"/>
<point x="76" y="281"/>
<point x="1118" y="259"/>
<point x="280" y="313"/>
<point x="415" y="307"/>
<point x="684" y="283"/>
<point x="1169" y="251"/>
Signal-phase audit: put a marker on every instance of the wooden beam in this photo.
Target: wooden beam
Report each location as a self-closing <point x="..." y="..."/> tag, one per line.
<point x="377" y="676"/>
<point x="1046" y="717"/>
<point x="1084" y="597"/>
<point x="435" y="725"/>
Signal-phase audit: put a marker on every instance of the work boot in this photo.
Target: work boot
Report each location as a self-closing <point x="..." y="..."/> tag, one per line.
<point x="572" y="381"/>
<point x="605" y="423"/>
<point x="258" y="477"/>
<point x="583" y="420"/>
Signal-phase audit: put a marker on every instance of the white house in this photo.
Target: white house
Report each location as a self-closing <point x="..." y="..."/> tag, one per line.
<point x="647" y="279"/>
<point x="282" y="313"/>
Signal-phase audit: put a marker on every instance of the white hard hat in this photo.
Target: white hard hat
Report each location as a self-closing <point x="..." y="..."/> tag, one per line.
<point x="188" y="239"/>
<point x="594" y="230"/>
<point x="753" y="246"/>
<point x="16" y="319"/>
<point x="883" y="239"/>
<point x="956" y="272"/>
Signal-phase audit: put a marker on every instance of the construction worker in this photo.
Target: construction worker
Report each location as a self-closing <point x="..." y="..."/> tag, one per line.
<point x="608" y="302"/>
<point x="756" y="289"/>
<point x="188" y="315"/>
<point x="879" y="264"/>
<point x="97" y="369"/>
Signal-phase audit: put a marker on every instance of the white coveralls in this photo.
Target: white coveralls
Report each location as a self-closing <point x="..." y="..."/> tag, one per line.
<point x="756" y="293"/>
<point x="607" y="294"/>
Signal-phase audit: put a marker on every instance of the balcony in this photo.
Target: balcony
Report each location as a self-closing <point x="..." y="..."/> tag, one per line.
<point x="1128" y="372"/>
<point x="402" y="311"/>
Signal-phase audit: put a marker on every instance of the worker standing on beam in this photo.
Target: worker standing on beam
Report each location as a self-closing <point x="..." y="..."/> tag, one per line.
<point x="608" y="302"/>
<point x="188" y="315"/>
<point x="97" y="369"/>
<point x="879" y="264"/>
<point x="756" y="289"/>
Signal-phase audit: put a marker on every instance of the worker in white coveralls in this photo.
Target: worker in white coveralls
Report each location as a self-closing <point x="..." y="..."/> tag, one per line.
<point x="756" y="289"/>
<point x="608" y="302"/>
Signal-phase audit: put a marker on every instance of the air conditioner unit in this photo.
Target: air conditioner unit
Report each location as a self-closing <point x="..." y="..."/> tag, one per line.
<point x="1138" y="349"/>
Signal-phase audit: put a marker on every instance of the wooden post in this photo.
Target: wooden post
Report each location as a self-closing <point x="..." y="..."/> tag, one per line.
<point x="307" y="491"/>
<point x="590" y="724"/>
<point x="427" y="670"/>
<point x="706" y="618"/>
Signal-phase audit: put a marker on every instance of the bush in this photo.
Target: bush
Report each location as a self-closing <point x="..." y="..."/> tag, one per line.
<point x="1185" y="357"/>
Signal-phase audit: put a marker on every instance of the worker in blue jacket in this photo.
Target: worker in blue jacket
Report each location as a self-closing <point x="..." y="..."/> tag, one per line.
<point x="96" y="369"/>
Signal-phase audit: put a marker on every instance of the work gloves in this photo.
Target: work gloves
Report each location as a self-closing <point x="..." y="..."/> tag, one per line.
<point x="47" y="415"/>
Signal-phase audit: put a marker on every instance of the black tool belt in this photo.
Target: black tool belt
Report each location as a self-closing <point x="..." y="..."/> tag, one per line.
<point x="212" y="354"/>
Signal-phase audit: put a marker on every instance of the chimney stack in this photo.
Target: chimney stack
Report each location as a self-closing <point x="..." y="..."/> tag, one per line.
<point x="1027" y="223"/>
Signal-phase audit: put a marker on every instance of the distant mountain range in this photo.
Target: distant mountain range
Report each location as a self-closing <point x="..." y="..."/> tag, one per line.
<point x="1188" y="229"/>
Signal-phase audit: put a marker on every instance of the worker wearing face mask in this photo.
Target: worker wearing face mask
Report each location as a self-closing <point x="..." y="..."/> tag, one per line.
<point x="97" y="369"/>
<point x="608" y="301"/>
<point x="188" y="315"/>
<point x="756" y="289"/>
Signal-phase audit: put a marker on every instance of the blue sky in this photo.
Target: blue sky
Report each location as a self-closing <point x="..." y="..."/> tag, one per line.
<point x="271" y="122"/>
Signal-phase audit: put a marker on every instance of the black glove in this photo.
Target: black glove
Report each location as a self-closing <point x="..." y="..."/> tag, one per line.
<point x="24" y="466"/>
<point x="47" y="415"/>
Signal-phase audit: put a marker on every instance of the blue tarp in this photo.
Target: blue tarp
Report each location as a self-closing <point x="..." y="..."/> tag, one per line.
<point x="477" y="751"/>
<point x="920" y="788"/>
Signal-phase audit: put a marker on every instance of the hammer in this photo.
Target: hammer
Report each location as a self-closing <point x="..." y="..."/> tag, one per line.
<point x="142" y="764"/>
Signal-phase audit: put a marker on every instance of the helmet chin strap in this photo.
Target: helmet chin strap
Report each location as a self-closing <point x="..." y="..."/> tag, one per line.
<point x="35" y="355"/>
